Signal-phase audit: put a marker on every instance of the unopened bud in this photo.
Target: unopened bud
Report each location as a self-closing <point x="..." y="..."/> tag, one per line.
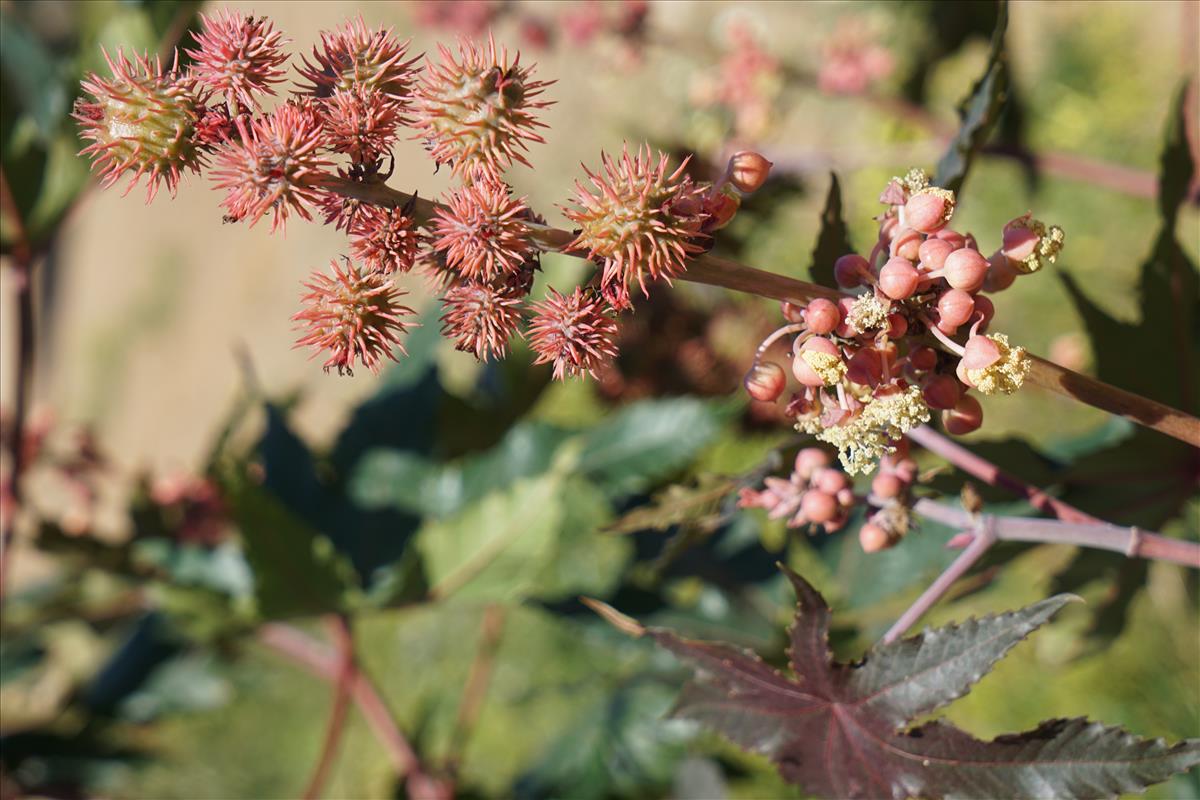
<point x="765" y="381"/>
<point x="748" y="170"/>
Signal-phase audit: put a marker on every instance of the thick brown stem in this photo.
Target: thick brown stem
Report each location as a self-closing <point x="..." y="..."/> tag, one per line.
<point x="715" y="271"/>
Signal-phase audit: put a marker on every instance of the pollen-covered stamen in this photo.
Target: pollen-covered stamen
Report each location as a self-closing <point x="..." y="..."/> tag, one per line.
<point x="355" y="56"/>
<point x="142" y="120"/>
<point x="477" y="111"/>
<point x="575" y="333"/>
<point x="275" y="165"/>
<point x="387" y="239"/>
<point x="640" y="220"/>
<point x="238" y="56"/>
<point x="481" y="317"/>
<point x="352" y="315"/>
<point x="484" y="230"/>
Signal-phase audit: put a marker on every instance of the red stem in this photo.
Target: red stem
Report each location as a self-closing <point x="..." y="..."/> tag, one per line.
<point x="340" y="632"/>
<point x="992" y="475"/>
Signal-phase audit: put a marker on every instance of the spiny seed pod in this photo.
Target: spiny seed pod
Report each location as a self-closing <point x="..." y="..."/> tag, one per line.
<point x="355" y="56"/>
<point x="748" y="170"/>
<point x="354" y="315"/>
<point x="484" y="231"/>
<point x="765" y="381"/>
<point x="142" y="120"/>
<point x="640" y="220"/>
<point x="387" y="239"/>
<point x="360" y="123"/>
<point x="274" y="165"/>
<point x="238" y="56"/>
<point x="575" y="333"/>
<point x="481" y="318"/>
<point x="476" y="111"/>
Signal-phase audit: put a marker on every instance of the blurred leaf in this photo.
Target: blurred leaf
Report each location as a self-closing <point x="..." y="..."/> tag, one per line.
<point x="149" y="644"/>
<point x="697" y="505"/>
<point x="410" y="482"/>
<point x="833" y="240"/>
<point x="31" y="74"/>
<point x="800" y="723"/>
<point x="297" y="571"/>
<point x="186" y="684"/>
<point x="511" y="543"/>
<point x="1147" y="478"/>
<point x="645" y="442"/>
<point x="617" y="747"/>
<point x="979" y="111"/>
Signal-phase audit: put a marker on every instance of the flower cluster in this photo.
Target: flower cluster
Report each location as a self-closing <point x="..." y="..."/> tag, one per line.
<point x="815" y="494"/>
<point x="865" y="364"/>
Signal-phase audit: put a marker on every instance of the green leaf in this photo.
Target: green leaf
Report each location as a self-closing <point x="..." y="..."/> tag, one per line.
<point x="833" y="240"/>
<point x="410" y="482"/>
<point x="646" y="442"/>
<point x="979" y="111"/>
<point x="297" y="572"/>
<point x="31" y="73"/>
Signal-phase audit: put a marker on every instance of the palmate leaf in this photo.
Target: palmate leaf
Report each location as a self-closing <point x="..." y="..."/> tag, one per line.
<point x="980" y="111"/>
<point x="839" y="730"/>
<point x="833" y="239"/>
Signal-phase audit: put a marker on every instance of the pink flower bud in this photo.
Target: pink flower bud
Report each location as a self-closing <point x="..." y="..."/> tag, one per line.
<point x="922" y="358"/>
<point x="822" y="316"/>
<point x="831" y="481"/>
<point x="906" y="244"/>
<point x="966" y="269"/>
<point x="898" y="279"/>
<point x="1000" y="274"/>
<point x="818" y="506"/>
<point x="980" y="353"/>
<point x="765" y="381"/>
<point x="906" y="470"/>
<point x="748" y="170"/>
<point x="955" y="307"/>
<point x="802" y="369"/>
<point x="887" y="485"/>
<point x="865" y="367"/>
<point x="809" y="460"/>
<point x="933" y="252"/>
<point x="873" y="538"/>
<point x="845" y="498"/>
<point x="791" y="312"/>
<point x="848" y="270"/>
<point x="965" y="417"/>
<point x="942" y="392"/>
<point x="929" y="211"/>
<point x="954" y="238"/>
<point x="1019" y="242"/>
<point x="897" y="326"/>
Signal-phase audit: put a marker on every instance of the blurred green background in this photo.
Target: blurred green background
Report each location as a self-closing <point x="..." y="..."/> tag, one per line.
<point x="130" y="662"/>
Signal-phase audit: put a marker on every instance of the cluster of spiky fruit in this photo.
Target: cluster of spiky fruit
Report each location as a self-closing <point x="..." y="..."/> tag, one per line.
<point x="324" y="149"/>
<point x="874" y="364"/>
